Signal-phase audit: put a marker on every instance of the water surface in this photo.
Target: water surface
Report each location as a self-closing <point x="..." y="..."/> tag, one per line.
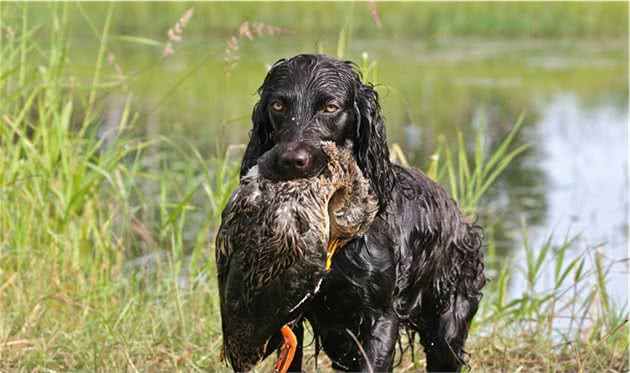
<point x="574" y="93"/>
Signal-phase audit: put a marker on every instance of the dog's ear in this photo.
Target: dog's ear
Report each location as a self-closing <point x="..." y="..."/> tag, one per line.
<point x="260" y="136"/>
<point x="260" y="140"/>
<point x="371" y="148"/>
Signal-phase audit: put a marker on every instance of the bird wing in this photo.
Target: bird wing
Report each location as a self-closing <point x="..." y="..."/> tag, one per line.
<point x="223" y="246"/>
<point x="224" y="250"/>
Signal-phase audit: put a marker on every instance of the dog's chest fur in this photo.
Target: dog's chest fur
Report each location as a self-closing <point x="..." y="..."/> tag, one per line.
<point x="361" y="283"/>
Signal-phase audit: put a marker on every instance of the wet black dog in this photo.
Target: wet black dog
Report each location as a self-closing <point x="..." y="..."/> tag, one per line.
<point x="419" y="268"/>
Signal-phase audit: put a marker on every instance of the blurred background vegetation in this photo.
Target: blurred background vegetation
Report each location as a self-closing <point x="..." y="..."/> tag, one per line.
<point x="398" y="19"/>
<point x="122" y="126"/>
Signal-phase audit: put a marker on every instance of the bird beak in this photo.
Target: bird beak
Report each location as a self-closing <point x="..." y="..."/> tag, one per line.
<point x="332" y="247"/>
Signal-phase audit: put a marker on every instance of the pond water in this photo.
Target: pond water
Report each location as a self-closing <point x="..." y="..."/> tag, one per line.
<point x="572" y="180"/>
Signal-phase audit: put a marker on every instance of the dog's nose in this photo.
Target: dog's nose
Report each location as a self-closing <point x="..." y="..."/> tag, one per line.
<point x="292" y="161"/>
<point x="297" y="159"/>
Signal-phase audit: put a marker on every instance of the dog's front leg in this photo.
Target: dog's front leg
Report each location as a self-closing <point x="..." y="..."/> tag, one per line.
<point x="380" y="344"/>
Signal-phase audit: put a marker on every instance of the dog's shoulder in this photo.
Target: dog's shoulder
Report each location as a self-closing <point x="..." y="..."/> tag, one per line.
<point x="412" y="183"/>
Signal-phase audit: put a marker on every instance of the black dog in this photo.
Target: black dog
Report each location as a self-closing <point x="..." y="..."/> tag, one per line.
<point x="419" y="268"/>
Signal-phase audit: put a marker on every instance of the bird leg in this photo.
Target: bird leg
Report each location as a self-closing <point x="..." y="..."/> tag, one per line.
<point x="332" y="246"/>
<point x="287" y="351"/>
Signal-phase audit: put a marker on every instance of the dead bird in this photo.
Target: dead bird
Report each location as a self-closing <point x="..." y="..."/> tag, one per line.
<point x="274" y="247"/>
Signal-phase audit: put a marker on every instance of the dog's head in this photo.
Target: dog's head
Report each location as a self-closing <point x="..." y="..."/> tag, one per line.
<point x="309" y="99"/>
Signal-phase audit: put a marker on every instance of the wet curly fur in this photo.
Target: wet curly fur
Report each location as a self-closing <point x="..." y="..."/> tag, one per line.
<point x="419" y="267"/>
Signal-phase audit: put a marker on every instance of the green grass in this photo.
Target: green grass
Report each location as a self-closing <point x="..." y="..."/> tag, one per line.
<point x="424" y="20"/>
<point x="106" y="241"/>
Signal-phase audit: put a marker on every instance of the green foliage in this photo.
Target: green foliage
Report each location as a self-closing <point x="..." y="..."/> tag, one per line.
<point x="469" y="180"/>
<point x="426" y="20"/>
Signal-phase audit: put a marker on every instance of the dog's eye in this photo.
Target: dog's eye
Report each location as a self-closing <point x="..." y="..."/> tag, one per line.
<point x="277" y="106"/>
<point x="330" y="108"/>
